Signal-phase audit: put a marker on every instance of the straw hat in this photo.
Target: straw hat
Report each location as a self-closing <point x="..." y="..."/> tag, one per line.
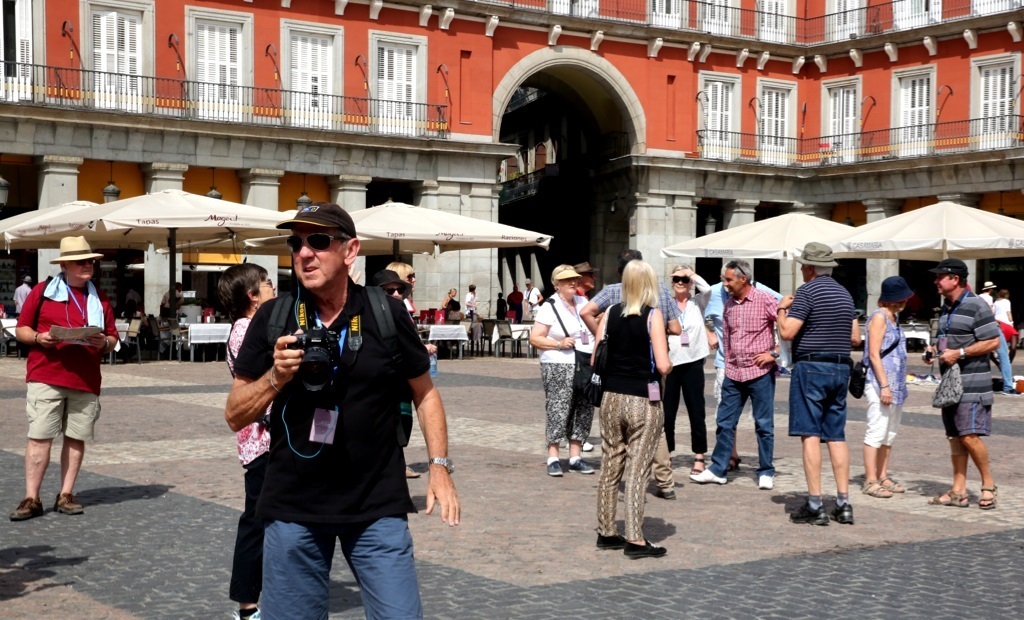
<point x="74" y="248"/>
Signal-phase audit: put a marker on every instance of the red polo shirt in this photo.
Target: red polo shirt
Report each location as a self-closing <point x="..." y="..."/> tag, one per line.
<point x="66" y="365"/>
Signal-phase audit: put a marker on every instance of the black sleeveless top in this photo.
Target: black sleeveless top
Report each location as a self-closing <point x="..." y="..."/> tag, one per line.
<point x="628" y="370"/>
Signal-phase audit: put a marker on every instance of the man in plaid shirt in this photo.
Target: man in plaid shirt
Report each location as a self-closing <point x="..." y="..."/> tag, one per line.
<point x="750" y="353"/>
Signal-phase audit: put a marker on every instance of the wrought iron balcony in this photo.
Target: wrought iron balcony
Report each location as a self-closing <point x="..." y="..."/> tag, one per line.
<point x="185" y="99"/>
<point x="979" y="134"/>
<point x="525" y="185"/>
<point x="719" y="17"/>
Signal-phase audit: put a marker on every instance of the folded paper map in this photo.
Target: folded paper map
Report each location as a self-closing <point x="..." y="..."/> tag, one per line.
<point x="73" y="335"/>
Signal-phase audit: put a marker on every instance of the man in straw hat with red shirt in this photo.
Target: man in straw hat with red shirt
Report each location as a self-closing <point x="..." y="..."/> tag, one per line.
<point x="63" y="376"/>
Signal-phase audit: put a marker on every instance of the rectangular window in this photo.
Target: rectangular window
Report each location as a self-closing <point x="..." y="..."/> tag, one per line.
<point x="987" y="7"/>
<point x="578" y="8"/>
<point x="667" y="13"/>
<point x="720" y="142"/>
<point x="776" y="146"/>
<point x="845" y="20"/>
<point x="844" y="138"/>
<point x="915" y="115"/>
<point x="715" y="17"/>
<point x="997" y="122"/>
<point x="311" y="68"/>
<point x="396" y="88"/>
<point x="116" y="60"/>
<point x="907" y="14"/>
<point x="773" y="21"/>
<point x="16" y="50"/>
<point x="218" y="71"/>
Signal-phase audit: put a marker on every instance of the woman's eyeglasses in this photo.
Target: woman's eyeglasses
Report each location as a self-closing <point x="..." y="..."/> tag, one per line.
<point x="269" y="284"/>
<point x="681" y="279"/>
<point x="392" y="291"/>
<point x="410" y="277"/>
<point x="317" y="242"/>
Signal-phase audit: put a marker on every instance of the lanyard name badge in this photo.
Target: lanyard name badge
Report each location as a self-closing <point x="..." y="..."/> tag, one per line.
<point x="325" y="421"/>
<point x="943" y="337"/>
<point x="584" y="333"/>
<point x="653" y="387"/>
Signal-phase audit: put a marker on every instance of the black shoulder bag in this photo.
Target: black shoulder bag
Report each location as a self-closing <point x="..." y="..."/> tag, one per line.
<point x="859" y="374"/>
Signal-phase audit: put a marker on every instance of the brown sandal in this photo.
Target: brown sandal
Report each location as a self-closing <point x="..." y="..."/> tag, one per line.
<point x="991" y="503"/>
<point x="875" y="489"/>
<point x="957" y="500"/>
<point x="734" y="463"/>
<point x="891" y="485"/>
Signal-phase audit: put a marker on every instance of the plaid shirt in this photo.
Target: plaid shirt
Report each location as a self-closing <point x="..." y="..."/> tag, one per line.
<point x="612" y="294"/>
<point x="748" y="331"/>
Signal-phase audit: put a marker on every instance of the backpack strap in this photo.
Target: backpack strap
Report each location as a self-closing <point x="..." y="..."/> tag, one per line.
<point x="385" y="320"/>
<point x="279" y="317"/>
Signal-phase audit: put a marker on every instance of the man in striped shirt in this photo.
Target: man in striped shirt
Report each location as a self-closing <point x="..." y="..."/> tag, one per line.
<point x="821" y="323"/>
<point x="967" y="334"/>
<point x="748" y="337"/>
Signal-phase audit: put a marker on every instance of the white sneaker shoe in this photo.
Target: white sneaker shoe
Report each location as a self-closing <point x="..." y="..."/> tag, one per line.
<point x="588" y="447"/>
<point x="707" y="476"/>
<point x="766" y="482"/>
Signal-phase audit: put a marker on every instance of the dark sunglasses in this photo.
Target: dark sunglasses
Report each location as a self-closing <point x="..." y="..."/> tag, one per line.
<point x="680" y="279"/>
<point x="316" y="241"/>
<point x="411" y="276"/>
<point x="392" y="291"/>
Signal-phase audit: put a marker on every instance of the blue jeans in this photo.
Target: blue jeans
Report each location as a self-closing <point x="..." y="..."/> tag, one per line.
<point x="761" y="392"/>
<point x="817" y="400"/>
<point x="297" y="568"/>
<point x="1004" y="362"/>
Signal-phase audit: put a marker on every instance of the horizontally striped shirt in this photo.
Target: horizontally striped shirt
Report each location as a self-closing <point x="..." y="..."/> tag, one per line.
<point x="749" y="330"/>
<point x="826" y="309"/>
<point x="971" y="321"/>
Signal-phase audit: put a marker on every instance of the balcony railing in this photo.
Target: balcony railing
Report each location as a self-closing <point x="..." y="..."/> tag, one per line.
<point x="185" y="99"/>
<point x="721" y="17"/>
<point x="979" y="134"/>
<point x="524" y="185"/>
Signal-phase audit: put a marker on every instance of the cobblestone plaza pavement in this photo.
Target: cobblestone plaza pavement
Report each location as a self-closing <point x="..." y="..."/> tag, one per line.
<point x="162" y="491"/>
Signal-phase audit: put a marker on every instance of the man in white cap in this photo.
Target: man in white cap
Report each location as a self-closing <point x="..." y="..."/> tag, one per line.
<point x="533" y="299"/>
<point x="63" y="376"/>
<point x="21" y="293"/>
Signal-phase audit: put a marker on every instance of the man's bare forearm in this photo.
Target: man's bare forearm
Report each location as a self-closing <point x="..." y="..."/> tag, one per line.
<point x="248" y="400"/>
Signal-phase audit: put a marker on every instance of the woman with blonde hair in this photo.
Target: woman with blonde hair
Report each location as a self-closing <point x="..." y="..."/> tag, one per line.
<point x="885" y="388"/>
<point x="406" y="272"/>
<point x="631" y="415"/>
<point x="558" y="332"/>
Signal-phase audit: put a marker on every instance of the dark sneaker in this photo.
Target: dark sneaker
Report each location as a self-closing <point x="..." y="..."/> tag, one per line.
<point x="806" y="515"/>
<point x="610" y="542"/>
<point x="66" y="504"/>
<point x="666" y="494"/>
<point x="28" y="508"/>
<point x="581" y="467"/>
<point x="646" y="550"/>
<point x="843" y="514"/>
<point x="555" y="469"/>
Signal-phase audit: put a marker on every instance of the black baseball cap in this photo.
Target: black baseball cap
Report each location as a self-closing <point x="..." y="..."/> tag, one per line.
<point x="326" y="214"/>
<point x="952" y="266"/>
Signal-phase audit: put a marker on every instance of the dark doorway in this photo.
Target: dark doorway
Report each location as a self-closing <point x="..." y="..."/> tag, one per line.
<point x="378" y="192"/>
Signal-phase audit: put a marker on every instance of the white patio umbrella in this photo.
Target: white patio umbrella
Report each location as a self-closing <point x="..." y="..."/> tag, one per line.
<point x="25" y="220"/>
<point x="941" y="230"/>
<point x="161" y="218"/>
<point x="776" y="237"/>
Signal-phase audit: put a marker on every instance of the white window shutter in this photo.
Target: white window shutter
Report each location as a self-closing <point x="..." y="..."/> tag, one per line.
<point x="218" y="69"/>
<point x="128" y="30"/>
<point x="23" y="28"/>
<point x="104" y="42"/>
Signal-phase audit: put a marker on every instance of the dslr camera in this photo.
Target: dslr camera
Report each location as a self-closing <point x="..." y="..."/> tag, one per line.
<point x="320" y="357"/>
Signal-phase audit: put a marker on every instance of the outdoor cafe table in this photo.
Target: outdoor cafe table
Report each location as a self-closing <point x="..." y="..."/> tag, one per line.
<point x="519" y="332"/>
<point x="449" y="332"/>
<point x="206" y="333"/>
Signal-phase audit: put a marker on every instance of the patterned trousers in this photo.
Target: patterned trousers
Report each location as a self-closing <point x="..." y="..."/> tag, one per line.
<point x="569" y="414"/>
<point x="630" y="429"/>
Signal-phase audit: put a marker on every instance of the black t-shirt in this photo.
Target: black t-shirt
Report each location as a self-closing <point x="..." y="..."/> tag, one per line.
<point x="361" y="476"/>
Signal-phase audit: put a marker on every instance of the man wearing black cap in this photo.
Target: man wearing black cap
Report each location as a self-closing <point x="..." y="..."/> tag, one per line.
<point x="336" y="470"/>
<point x="967" y="334"/>
<point x="820" y="321"/>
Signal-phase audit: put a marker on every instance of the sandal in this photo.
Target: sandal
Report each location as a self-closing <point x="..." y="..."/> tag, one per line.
<point x="694" y="471"/>
<point x="954" y="499"/>
<point x="875" y="489"/>
<point x="986" y="503"/>
<point x="734" y="463"/>
<point x="891" y="485"/>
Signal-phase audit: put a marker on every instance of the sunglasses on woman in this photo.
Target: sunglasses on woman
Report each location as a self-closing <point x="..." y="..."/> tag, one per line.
<point x="317" y="242"/>
<point x="680" y="279"/>
<point x="392" y="291"/>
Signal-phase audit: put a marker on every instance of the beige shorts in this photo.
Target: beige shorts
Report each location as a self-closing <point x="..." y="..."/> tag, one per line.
<point x="54" y="411"/>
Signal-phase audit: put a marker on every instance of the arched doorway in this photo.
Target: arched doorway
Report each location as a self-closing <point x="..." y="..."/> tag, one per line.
<point x="571" y="113"/>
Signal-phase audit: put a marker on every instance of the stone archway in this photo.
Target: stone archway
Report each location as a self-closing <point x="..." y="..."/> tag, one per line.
<point x="575" y="63"/>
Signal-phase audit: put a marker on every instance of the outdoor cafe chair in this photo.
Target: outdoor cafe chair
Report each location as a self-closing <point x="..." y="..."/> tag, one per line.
<point x="505" y="339"/>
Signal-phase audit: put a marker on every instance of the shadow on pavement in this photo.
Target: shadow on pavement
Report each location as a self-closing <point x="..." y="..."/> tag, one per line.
<point x="117" y="495"/>
<point x="21" y="566"/>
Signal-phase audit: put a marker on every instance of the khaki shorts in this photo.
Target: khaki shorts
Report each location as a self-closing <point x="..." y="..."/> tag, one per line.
<point x="54" y="411"/>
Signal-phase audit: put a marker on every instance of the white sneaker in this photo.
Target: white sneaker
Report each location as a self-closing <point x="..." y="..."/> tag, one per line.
<point x="707" y="476"/>
<point x="588" y="447"/>
<point x="766" y="482"/>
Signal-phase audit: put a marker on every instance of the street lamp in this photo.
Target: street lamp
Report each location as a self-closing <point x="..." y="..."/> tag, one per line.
<point x="111" y="192"/>
<point x="213" y="193"/>
<point x="303" y="201"/>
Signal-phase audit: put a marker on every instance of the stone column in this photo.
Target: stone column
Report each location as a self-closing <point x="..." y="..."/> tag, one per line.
<point x="879" y="269"/>
<point x="737" y="213"/>
<point x="789" y="272"/>
<point x="678" y="222"/>
<point x="260" y="189"/>
<point x="58" y="184"/>
<point x="481" y="264"/>
<point x="349" y="192"/>
<point x="156" y="178"/>
<point x="968" y="200"/>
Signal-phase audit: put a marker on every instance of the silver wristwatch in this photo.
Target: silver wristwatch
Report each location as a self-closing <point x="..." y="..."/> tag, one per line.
<point x="445" y="462"/>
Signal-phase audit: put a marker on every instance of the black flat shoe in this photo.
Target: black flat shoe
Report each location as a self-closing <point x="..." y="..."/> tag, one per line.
<point x="646" y="550"/>
<point x="843" y="514"/>
<point x="610" y="542"/>
<point x="807" y="515"/>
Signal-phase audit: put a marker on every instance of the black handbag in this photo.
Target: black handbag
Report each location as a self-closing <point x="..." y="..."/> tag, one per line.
<point x="859" y="374"/>
<point x="594" y="389"/>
